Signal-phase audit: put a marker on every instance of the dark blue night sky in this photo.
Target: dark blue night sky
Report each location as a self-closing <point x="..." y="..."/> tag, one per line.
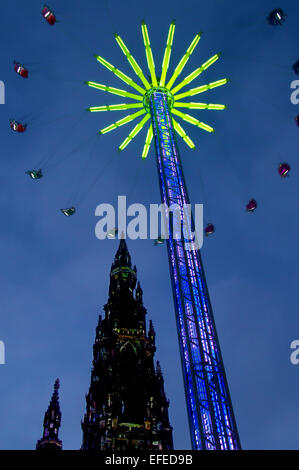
<point x="55" y="272"/>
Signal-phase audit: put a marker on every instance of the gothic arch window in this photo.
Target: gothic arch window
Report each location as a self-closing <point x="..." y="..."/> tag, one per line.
<point x="126" y="345"/>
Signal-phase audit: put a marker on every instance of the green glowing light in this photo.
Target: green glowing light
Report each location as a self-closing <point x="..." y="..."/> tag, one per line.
<point x="196" y="73"/>
<point x="121" y="122"/>
<point x="167" y="53"/>
<point x="149" y="54"/>
<point x="115" y="107"/>
<point x="193" y="120"/>
<point x="180" y="104"/>
<point x="132" y="61"/>
<point x="141" y="99"/>
<point x="201" y="89"/>
<point x="148" y="141"/>
<point x="134" y="132"/>
<point x="183" y="61"/>
<point x="120" y="74"/>
<point x="114" y="91"/>
<point x="183" y="134"/>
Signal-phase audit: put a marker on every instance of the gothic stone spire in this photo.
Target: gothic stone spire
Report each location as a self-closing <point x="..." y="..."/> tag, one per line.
<point x="126" y="407"/>
<point x="52" y="422"/>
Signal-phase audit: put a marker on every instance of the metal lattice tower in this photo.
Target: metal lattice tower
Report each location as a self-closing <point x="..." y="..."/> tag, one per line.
<point x="211" y="418"/>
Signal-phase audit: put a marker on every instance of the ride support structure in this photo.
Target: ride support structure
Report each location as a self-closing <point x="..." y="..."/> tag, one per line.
<point x="211" y="417"/>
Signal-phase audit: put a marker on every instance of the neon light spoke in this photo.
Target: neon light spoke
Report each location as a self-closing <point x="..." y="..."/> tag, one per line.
<point x="199" y="106"/>
<point x="167" y="53"/>
<point x="201" y="89"/>
<point x="134" y="132"/>
<point x="132" y="61"/>
<point x="114" y="91"/>
<point x="195" y="74"/>
<point x="121" y="122"/>
<point x="115" y="107"/>
<point x="183" y="61"/>
<point x="149" y="54"/>
<point x="148" y="141"/>
<point x="193" y="120"/>
<point x="183" y="134"/>
<point x="120" y="74"/>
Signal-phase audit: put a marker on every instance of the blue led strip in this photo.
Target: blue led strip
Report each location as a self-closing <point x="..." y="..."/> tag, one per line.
<point x="211" y="419"/>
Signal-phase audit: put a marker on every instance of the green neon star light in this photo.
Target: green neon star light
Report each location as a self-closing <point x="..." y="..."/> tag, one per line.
<point x="142" y="93"/>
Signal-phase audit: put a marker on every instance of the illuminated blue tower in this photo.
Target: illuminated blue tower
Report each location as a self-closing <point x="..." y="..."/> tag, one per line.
<point x="211" y="417"/>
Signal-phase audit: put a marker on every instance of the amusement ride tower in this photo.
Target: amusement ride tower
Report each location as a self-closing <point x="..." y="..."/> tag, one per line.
<point x="211" y="418"/>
